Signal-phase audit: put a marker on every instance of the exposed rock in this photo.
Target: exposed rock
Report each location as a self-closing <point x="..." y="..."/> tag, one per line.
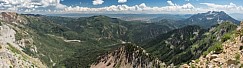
<point x="185" y="66"/>
<point x="213" y="56"/>
<point x="11" y="54"/>
<point x="128" y="56"/>
<point x="232" y="61"/>
<point x="231" y="57"/>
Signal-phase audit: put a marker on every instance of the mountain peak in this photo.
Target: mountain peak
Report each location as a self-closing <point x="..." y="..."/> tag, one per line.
<point x="216" y="12"/>
<point x="210" y="18"/>
<point x="9" y="14"/>
<point x="128" y="56"/>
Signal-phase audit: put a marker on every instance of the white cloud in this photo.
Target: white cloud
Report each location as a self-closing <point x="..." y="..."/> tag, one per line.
<point x="141" y="8"/>
<point x="30" y="5"/>
<point x="122" y="1"/>
<point x="170" y="3"/>
<point x="98" y="2"/>
<point x="231" y="8"/>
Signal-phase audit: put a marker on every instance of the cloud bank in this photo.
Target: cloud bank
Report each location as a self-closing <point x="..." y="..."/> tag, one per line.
<point x="54" y="6"/>
<point x="230" y="8"/>
<point x="141" y="8"/>
<point x="30" y="5"/>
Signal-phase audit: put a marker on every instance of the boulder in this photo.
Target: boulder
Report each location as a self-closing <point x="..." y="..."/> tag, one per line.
<point x="185" y="66"/>
<point x="213" y="56"/>
<point x="232" y="61"/>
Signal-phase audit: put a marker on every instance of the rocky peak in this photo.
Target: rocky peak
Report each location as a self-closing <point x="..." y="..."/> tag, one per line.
<point x="11" y="50"/>
<point x="128" y="56"/>
<point x="212" y="18"/>
<point x="9" y="16"/>
<point x="215" y="12"/>
<point x="12" y="17"/>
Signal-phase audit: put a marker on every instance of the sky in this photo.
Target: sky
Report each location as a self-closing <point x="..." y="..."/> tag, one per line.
<point x="120" y="6"/>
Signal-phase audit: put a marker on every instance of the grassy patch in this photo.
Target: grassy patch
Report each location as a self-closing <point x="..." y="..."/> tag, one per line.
<point x="1" y="24"/>
<point x="13" y="49"/>
<point x="197" y="60"/>
<point x="217" y="47"/>
<point x="237" y="56"/>
<point x="226" y="37"/>
<point x="18" y="36"/>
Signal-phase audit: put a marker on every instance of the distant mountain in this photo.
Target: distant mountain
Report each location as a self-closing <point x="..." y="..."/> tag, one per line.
<point x="130" y="17"/>
<point x="206" y="20"/>
<point x="170" y="17"/>
<point x="126" y="17"/>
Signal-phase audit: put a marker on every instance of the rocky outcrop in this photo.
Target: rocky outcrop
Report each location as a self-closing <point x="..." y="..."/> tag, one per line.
<point x="11" y="54"/>
<point x="128" y="56"/>
<point x="230" y="57"/>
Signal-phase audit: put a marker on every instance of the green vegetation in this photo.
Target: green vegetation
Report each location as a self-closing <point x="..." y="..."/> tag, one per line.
<point x="197" y="60"/>
<point x="18" y="36"/>
<point x="1" y="24"/>
<point x="241" y="65"/>
<point x="100" y="34"/>
<point x="241" y="47"/>
<point x="217" y="47"/>
<point x="13" y="49"/>
<point x="193" y="66"/>
<point x="161" y="46"/>
<point x="237" y="57"/>
<point x="226" y="37"/>
<point x="187" y="45"/>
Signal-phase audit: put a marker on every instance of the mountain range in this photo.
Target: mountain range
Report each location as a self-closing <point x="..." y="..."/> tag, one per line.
<point x="101" y="41"/>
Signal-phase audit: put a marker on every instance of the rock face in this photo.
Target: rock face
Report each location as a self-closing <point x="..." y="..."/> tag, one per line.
<point x="210" y="18"/>
<point x="11" y="54"/>
<point x="128" y="56"/>
<point x="230" y="57"/>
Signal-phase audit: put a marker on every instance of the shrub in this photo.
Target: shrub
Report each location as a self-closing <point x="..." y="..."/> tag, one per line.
<point x="197" y="60"/>
<point x="217" y="47"/>
<point x="205" y="53"/>
<point x="226" y="37"/>
<point x="237" y="56"/>
<point x="241" y="47"/>
<point x="71" y="35"/>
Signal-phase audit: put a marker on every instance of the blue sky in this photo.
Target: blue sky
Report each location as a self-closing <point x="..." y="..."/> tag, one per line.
<point x="152" y="3"/>
<point x="121" y="6"/>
